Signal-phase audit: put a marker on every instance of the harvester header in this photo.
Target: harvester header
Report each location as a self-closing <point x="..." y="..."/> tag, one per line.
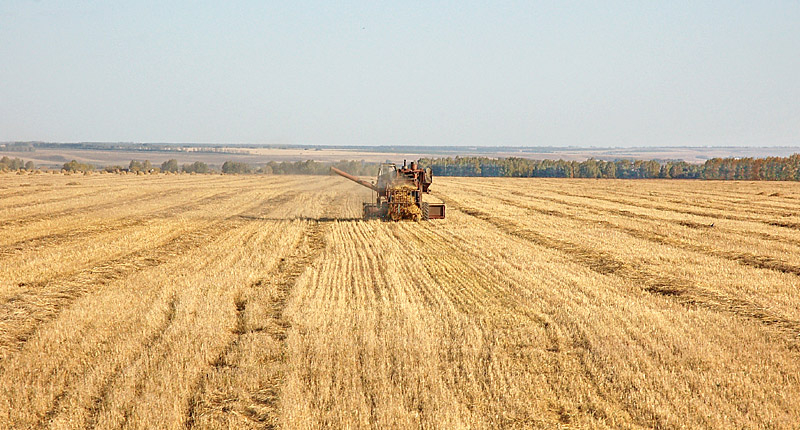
<point x="399" y="193"/>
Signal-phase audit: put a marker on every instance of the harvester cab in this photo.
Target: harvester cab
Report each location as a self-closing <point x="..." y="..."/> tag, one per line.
<point x="398" y="193"/>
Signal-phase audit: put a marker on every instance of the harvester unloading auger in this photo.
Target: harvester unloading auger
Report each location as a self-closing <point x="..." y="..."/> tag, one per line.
<point x="399" y="193"/>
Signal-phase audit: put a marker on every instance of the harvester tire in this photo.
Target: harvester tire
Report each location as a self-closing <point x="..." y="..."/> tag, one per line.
<point x="425" y="211"/>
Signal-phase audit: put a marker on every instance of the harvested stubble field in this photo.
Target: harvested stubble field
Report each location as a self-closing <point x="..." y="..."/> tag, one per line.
<point x="177" y="301"/>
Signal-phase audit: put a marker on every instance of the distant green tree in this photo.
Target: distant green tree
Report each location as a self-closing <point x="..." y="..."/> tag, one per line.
<point x="235" y="167"/>
<point x="17" y="164"/>
<point x="196" y="167"/>
<point x="170" y="166"/>
<point x="6" y="163"/>
<point x="608" y="170"/>
<point x="590" y="169"/>
<point x="74" y="166"/>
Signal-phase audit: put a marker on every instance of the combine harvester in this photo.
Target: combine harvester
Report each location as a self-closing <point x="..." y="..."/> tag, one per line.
<point x="399" y="193"/>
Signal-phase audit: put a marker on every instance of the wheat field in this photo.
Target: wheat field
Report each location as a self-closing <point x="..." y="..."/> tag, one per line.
<point x="201" y="301"/>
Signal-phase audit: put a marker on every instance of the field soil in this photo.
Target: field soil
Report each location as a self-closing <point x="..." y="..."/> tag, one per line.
<point x="207" y="301"/>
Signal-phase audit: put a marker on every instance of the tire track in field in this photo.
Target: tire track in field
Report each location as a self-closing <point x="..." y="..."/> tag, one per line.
<point x="725" y="201"/>
<point x="729" y="206"/>
<point x="78" y="193"/>
<point x="707" y="214"/>
<point x="645" y="205"/>
<point x="471" y="284"/>
<point x="119" y="201"/>
<point x="97" y="402"/>
<point x="743" y="258"/>
<point x="685" y="223"/>
<point x="123" y="201"/>
<point x="54" y="239"/>
<point x="67" y="394"/>
<point x="105" y="390"/>
<point x="30" y="192"/>
<point x="123" y="368"/>
<point x="667" y="208"/>
<point x="726" y="209"/>
<point x="462" y="292"/>
<point x="263" y="404"/>
<point x="61" y="401"/>
<point x="23" y="313"/>
<point x="683" y="290"/>
<point x="491" y="296"/>
<point x="700" y="199"/>
<point x="508" y="294"/>
<point x="28" y="204"/>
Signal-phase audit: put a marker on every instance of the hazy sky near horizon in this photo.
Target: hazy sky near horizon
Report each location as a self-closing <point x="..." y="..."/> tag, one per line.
<point x="527" y="73"/>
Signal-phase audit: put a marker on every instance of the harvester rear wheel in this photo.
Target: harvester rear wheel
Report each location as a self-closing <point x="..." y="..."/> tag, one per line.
<point x="395" y="215"/>
<point x="425" y="211"/>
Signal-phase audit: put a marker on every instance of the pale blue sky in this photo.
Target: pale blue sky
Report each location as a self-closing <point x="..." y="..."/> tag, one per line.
<point x="527" y="73"/>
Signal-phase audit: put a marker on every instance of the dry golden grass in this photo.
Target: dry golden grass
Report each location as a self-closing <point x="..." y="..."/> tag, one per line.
<point x="177" y="301"/>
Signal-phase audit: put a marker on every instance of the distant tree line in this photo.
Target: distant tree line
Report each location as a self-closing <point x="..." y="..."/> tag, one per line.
<point x="307" y="167"/>
<point x="755" y="169"/>
<point x="17" y="147"/>
<point x="196" y="167"/>
<point x="310" y="167"/>
<point x="145" y="166"/>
